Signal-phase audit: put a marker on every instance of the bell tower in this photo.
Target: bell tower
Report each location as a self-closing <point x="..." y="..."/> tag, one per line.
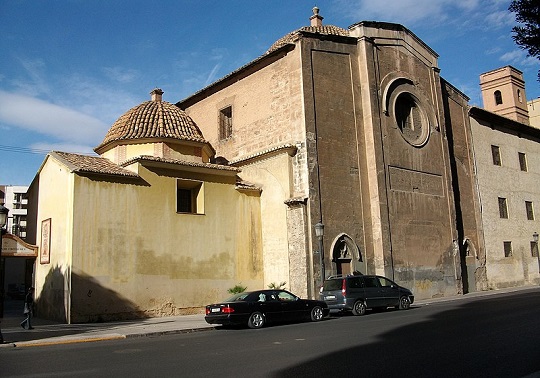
<point x="503" y="93"/>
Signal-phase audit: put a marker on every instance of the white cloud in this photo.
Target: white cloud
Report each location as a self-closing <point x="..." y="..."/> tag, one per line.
<point x="406" y="12"/>
<point x="212" y="75"/>
<point x="434" y="13"/>
<point x="499" y="18"/>
<point x="49" y="119"/>
<point x="33" y="83"/>
<point x="121" y="74"/>
<point x="518" y="58"/>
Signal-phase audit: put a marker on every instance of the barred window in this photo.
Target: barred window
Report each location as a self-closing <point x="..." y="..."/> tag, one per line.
<point x="503" y="208"/>
<point x="225" y="123"/>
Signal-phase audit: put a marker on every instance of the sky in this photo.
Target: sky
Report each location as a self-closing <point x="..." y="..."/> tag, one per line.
<point x="70" y="68"/>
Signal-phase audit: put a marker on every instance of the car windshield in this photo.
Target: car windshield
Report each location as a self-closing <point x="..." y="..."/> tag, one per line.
<point x="330" y="285"/>
<point x="237" y="297"/>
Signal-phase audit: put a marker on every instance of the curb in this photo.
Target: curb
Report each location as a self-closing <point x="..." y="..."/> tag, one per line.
<point x="64" y="340"/>
<point x="74" y="339"/>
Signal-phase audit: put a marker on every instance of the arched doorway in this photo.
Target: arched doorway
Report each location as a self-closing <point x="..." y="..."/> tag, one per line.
<point x="346" y="256"/>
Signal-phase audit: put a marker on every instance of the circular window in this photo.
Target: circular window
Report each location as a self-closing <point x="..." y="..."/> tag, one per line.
<point x="411" y="119"/>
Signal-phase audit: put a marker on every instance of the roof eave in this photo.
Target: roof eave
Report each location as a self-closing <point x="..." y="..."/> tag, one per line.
<point x="185" y="166"/>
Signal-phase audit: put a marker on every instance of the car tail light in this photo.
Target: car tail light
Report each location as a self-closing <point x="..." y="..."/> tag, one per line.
<point x="207" y="310"/>
<point x="227" y="310"/>
<point x="343" y="287"/>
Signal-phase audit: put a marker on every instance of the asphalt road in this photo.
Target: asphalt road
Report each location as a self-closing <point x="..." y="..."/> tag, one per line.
<point x="496" y="336"/>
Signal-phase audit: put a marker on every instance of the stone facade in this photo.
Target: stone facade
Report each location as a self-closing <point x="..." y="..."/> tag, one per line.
<point x="368" y="114"/>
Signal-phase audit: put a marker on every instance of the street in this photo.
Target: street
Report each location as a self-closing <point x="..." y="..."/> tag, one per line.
<point x="494" y="336"/>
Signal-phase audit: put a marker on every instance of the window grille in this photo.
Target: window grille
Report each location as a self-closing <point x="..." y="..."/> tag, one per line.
<point x="225" y="123"/>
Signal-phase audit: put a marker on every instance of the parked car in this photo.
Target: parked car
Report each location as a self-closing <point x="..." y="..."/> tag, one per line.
<point x="257" y="308"/>
<point x="357" y="293"/>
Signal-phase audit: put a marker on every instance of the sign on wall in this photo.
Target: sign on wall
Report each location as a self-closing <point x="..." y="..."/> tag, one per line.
<point x="44" y="257"/>
<point x="13" y="246"/>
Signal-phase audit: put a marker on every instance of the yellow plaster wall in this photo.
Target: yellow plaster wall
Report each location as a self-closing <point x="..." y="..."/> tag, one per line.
<point x="52" y="280"/>
<point x="133" y="254"/>
<point x="274" y="175"/>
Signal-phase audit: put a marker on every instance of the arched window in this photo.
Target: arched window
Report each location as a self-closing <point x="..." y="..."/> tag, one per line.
<point x="520" y="98"/>
<point x="498" y="98"/>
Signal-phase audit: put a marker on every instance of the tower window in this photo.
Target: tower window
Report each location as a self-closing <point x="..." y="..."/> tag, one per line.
<point x="520" y="98"/>
<point x="503" y="208"/>
<point x="225" y="123"/>
<point x="496" y="154"/>
<point x="498" y="97"/>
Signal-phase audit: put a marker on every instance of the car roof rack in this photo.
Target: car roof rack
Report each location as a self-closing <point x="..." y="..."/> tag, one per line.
<point x="344" y="275"/>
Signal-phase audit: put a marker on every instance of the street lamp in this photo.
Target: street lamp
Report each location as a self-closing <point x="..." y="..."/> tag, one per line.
<point x="535" y="239"/>
<point x="3" y="220"/>
<point x="319" y="232"/>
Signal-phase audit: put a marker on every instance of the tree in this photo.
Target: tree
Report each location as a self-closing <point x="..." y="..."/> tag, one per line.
<point x="527" y="34"/>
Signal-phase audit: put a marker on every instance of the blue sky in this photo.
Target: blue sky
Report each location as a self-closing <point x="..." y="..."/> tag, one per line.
<point x="70" y="68"/>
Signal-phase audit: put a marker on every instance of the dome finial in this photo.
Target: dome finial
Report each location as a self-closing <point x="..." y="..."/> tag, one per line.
<point x="316" y="20"/>
<point x="156" y="94"/>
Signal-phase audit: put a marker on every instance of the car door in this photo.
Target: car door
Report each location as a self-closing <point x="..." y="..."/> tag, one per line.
<point x="270" y="306"/>
<point x="292" y="306"/>
<point x="390" y="291"/>
<point x="373" y="293"/>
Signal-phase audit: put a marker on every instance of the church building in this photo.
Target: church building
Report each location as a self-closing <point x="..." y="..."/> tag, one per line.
<point x="352" y="132"/>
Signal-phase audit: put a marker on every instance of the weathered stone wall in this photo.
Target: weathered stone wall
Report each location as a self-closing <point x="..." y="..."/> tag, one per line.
<point x="415" y="197"/>
<point x="332" y="122"/>
<point x="467" y="203"/>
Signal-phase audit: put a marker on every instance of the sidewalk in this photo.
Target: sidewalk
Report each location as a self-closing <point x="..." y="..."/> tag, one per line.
<point x="51" y="333"/>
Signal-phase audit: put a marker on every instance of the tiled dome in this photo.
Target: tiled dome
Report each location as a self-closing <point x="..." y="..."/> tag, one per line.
<point x="155" y="119"/>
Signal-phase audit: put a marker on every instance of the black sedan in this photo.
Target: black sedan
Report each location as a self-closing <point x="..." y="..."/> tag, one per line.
<point x="256" y="308"/>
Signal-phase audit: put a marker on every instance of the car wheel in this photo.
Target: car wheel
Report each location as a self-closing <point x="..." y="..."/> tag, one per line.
<point x="404" y="303"/>
<point x="256" y="320"/>
<point x="359" y="307"/>
<point x="316" y="314"/>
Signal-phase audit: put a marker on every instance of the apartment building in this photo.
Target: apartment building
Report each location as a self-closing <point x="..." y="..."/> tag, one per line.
<point x="16" y="201"/>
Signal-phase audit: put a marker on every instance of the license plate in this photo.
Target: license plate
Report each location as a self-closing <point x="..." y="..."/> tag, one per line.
<point x="330" y="297"/>
<point x="216" y="309"/>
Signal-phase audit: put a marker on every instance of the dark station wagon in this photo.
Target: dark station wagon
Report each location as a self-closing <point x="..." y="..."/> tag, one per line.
<point x="357" y="293"/>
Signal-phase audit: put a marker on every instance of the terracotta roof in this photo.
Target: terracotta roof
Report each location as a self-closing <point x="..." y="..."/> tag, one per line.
<point x="154" y="119"/>
<point x="295" y="35"/>
<point x="181" y="162"/>
<point x="245" y="185"/>
<point x="91" y="164"/>
<point x="290" y="148"/>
